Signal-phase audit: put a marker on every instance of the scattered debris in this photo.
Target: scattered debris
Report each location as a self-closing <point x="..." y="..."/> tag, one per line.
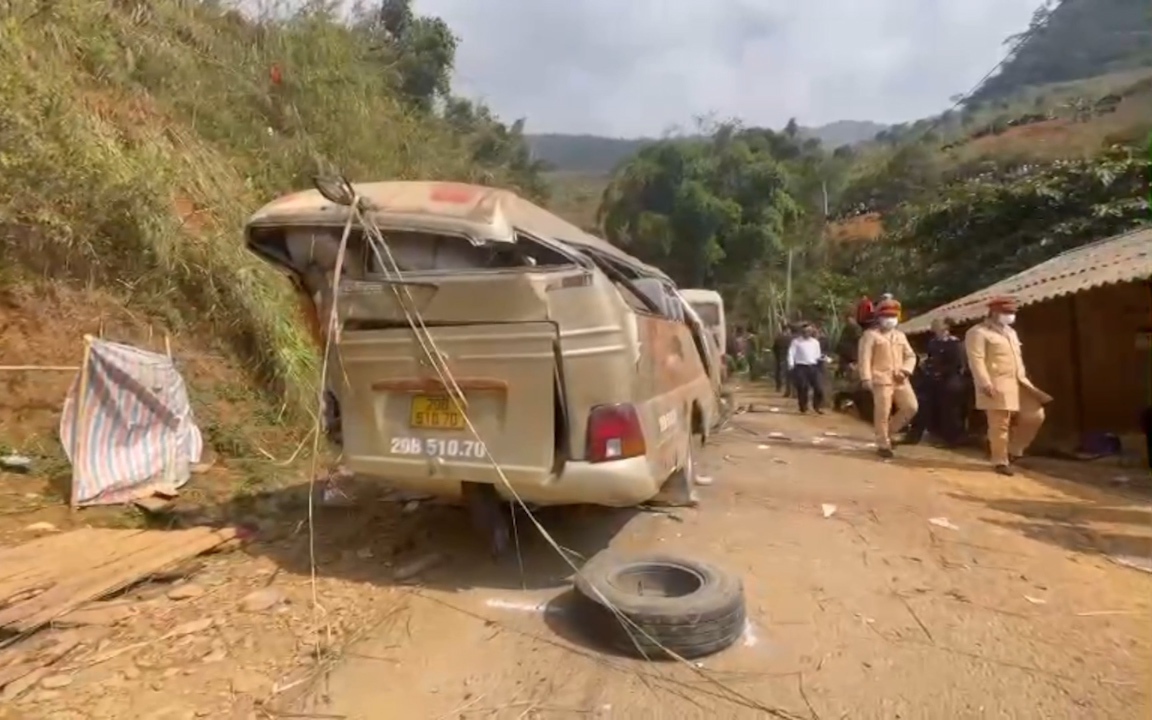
<point x="185" y="591"/>
<point x="828" y="510"/>
<point x="777" y="435"/>
<point x="190" y="628"/>
<point x="1035" y="600"/>
<point x="417" y="566"/>
<point x="703" y="480"/>
<point x="515" y="605"/>
<point x="96" y="614"/>
<point x="763" y="447"/>
<point x="154" y="504"/>
<point x="405" y="496"/>
<point x="1121" y="480"/>
<point x="943" y="522"/>
<point x="331" y="493"/>
<point x="655" y="510"/>
<point x="42" y="527"/>
<point x="262" y="600"/>
<point x="1135" y="562"/>
<point x="829" y="433"/>
<point x="16" y="463"/>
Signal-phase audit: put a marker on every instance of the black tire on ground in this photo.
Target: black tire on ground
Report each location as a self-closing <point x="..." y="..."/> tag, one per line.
<point x="686" y="606"/>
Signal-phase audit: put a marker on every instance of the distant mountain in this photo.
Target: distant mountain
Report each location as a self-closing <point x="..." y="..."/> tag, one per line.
<point x="1073" y="40"/>
<point x="844" y="132"/>
<point x="597" y="155"/>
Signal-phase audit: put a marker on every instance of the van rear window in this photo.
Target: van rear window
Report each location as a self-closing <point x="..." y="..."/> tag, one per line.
<point x="708" y="312"/>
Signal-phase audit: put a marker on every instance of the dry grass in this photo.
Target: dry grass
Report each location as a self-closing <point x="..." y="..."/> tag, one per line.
<point x="1064" y="138"/>
<point x="857" y="228"/>
<point x="137" y="135"/>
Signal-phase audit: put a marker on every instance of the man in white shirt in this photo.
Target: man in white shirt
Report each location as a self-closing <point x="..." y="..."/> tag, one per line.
<point x="804" y="358"/>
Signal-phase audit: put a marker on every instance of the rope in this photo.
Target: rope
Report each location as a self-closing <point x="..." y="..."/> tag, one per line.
<point x="435" y="358"/>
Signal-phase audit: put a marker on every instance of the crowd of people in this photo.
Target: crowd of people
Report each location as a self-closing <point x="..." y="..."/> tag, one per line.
<point x="912" y="395"/>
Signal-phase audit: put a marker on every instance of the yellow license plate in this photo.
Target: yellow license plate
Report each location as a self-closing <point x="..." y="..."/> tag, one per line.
<point x="435" y="412"/>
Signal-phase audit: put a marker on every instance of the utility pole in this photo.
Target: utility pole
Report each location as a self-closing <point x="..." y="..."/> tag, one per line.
<point x="791" y="254"/>
<point x="788" y="288"/>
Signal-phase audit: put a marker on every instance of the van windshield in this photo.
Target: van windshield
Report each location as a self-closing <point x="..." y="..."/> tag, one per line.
<point x="709" y="313"/>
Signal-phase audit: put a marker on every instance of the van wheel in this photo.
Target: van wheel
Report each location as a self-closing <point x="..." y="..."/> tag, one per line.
<point x="679" y="490"/>
<point x="685" y="479"/>
<point x="687" y="607"/>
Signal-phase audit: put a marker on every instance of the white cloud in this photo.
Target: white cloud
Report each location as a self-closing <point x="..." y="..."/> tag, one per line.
<point x="636" y="67"/>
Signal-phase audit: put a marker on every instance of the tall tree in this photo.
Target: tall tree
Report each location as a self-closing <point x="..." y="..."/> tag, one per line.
<point x="705" y="210"/>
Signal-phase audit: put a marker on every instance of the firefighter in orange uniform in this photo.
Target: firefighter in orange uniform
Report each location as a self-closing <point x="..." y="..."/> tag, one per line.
<point x="886" y="361"/>
<point x="1013" y="405"/>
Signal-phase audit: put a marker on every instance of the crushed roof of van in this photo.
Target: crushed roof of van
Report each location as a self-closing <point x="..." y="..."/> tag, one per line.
<point x="485" y="213"/>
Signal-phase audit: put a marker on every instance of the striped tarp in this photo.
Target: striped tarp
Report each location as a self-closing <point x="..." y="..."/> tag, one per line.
<point x="135" y="434"/>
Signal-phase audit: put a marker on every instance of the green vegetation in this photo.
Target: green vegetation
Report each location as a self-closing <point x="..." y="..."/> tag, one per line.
<point x="1073" y="40"/>
<point x="731" y="209"/>
<point x="137" y="135"/>
<point x="595" y="156"/>
<point x="980" y="230"/>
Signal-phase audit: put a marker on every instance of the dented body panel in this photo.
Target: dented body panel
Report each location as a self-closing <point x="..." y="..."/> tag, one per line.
<point x="535" y="331"/>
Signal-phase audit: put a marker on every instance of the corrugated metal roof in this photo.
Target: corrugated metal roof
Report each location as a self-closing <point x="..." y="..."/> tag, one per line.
<point x="1123" y="258"/>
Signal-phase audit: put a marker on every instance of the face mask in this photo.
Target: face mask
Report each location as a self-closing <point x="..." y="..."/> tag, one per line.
<point x="887" y="322"/>
<point x="1008" y="319"/>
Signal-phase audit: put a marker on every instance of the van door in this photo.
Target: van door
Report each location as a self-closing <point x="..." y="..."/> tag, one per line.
<point x="399" y="419"/>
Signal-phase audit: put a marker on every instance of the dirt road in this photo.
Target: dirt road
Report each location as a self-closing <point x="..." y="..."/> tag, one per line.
<point x="934" y="590"/>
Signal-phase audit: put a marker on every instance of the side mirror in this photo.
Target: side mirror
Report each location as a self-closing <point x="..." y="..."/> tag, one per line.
<point x="335" y="189"/>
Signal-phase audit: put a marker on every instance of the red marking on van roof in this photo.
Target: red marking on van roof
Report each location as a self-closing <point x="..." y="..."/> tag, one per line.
<point x="453" y="193"/>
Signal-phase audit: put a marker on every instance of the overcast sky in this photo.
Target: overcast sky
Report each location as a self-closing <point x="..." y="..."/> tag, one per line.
<point x="636" y="67"/>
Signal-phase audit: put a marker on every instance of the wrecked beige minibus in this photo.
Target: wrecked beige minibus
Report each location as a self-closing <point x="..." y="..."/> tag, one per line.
<point x="709" y="307"/>
<point x="583" y="379"/>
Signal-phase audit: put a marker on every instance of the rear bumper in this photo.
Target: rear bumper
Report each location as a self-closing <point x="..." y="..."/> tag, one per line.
<point x="619" y="483"/>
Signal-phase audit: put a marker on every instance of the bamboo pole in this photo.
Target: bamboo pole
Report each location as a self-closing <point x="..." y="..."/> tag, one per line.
<point x="80" y="441"/>
<point x="32" y="368"/>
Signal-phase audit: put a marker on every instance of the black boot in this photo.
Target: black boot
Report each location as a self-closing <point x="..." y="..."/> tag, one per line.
<point x="1005" y="470"/>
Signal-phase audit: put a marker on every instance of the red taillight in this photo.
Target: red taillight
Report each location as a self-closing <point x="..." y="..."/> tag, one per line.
<point x="614" y="433"/>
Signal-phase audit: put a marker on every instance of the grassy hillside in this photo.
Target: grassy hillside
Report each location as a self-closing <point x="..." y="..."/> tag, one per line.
<point x="1072" y="40"/>
<point x="135" y="137"/>
<point x="1063" y="121"/>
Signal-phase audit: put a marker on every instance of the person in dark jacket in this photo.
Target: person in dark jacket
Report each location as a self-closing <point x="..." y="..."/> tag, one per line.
<point x="944" y="407"/>
<point x="848" y="345"/>
<point x="780" y="347"/>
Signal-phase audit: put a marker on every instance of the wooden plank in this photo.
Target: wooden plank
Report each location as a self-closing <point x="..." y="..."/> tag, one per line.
<point x="45" y="564"/>
<point x="62" y="548"/>
<point x="13" y="557"/>
<point x="112" y="547"/>
<point x="103" y="548"/>
<point x="166" y="548"/>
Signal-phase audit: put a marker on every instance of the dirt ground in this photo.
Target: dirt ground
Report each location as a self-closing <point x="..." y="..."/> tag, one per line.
<point x="935" y="589"/>
<point x="874" y="612"/>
